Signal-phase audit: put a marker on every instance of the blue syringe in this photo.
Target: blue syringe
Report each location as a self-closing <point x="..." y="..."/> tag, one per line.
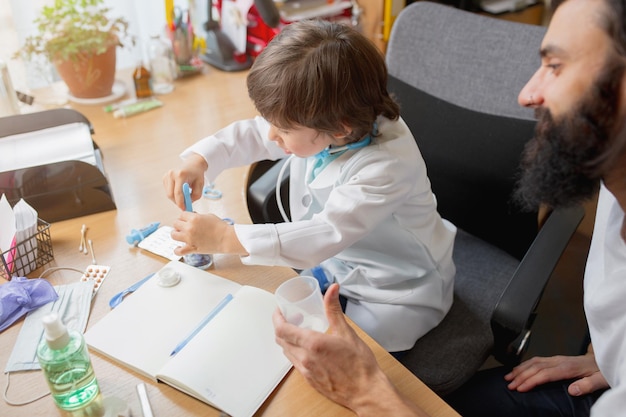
<point x="135" y="236"/>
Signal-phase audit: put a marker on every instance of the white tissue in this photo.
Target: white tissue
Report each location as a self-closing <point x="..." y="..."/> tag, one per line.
<point x="26" y="237"/>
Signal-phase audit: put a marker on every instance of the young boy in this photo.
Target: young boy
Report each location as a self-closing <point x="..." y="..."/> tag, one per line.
<point x="360" y="200"/>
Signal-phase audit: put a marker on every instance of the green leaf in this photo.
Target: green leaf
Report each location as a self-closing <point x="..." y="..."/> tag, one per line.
<point x="70" y="27"/>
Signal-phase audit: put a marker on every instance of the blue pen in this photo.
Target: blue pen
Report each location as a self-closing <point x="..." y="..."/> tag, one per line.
<point x="187" y="194"/>
<point x="203" y="323"/>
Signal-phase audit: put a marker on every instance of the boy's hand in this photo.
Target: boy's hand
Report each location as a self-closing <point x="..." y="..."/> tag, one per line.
<point x="191" y="173"/>
<point x="205" y="233"/>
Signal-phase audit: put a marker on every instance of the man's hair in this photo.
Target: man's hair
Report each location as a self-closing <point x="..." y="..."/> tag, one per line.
<point x="324" y="76"/>
<point x="612" y="18"/>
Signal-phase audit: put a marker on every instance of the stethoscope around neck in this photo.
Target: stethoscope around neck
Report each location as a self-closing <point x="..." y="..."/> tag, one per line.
<point x="325" y="153"/>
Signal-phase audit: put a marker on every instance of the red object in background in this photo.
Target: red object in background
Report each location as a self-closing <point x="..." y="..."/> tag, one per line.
<point x="259" y="33"/>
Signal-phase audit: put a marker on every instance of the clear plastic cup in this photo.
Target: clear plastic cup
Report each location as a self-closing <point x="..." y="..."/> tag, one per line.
<point x="301" y="302"/>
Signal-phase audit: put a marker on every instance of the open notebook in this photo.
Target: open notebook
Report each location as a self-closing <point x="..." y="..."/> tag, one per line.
<point x="231" y="363"/>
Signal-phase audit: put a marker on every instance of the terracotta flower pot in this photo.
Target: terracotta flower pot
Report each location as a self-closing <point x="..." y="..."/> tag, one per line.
<point x="91" y="76"/>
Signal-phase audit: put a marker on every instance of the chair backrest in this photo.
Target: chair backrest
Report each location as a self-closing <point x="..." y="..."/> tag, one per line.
<point x="456" y="76"/>
<point x="470" y="60"/>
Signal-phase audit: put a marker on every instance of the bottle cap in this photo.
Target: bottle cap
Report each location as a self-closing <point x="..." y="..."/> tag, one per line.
<point x="55" y="331"/>
<point x="168" y="277"/>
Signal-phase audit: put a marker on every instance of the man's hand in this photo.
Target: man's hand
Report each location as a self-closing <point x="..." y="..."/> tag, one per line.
<point x="538" y="370"/>
<point x="340" y="365"/>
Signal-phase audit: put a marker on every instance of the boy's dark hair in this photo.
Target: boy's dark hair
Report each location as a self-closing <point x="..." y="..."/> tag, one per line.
<point x="324" y="76"/>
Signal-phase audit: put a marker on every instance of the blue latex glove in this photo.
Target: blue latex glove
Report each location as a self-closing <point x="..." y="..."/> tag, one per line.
<point x="21" y="295"/>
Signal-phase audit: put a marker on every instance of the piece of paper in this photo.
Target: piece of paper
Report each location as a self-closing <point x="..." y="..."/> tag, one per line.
<point x="56" y="144"/>
<point x="234" y="23"/>
<point x="161" y="243"/>
<point x="242" y="337"/>
<point x="26" y="237"/>
<point x="7" y="233"/>
<point x="155" y="318"/>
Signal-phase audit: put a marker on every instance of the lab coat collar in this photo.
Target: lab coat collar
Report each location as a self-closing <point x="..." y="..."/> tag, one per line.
<point x="328" y="176"/>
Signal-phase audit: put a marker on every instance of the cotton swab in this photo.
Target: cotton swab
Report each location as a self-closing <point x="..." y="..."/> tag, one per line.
<point x="83" y="246"/>
<point x="93" y="255"/>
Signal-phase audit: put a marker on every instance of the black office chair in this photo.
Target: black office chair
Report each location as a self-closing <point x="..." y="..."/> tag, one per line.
<point x="456" y="76"/>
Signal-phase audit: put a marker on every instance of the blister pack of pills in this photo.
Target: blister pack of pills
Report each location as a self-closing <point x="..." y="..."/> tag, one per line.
<point x="97" y="274"/>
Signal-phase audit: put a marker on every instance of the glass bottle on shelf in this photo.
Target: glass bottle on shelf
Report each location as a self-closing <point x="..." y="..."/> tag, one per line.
<point x="162" y="65"/>
<point x="143" y="81"/>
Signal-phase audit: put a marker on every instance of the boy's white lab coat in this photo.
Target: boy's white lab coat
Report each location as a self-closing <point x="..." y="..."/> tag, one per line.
<point x="369" y="218"/>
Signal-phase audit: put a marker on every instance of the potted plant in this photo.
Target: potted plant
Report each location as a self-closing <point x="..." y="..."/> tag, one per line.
<point x="80" y="40"/>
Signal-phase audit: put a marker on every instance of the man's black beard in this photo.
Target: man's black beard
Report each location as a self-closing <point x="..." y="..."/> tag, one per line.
<point x="558" y="166"/>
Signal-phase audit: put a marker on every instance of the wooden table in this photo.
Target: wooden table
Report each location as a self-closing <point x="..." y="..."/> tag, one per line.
<point x="137" y="151"/>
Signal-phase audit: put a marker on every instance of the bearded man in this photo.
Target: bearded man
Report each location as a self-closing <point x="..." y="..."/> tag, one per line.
<point x="579" y="93"/>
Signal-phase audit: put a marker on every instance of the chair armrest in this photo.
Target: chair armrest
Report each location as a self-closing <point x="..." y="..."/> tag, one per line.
<point x="515" y="311"/>
<point x="261" y="195"/>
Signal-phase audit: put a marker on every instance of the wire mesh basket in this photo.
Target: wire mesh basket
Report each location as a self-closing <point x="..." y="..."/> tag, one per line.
<point x="28" y="255"/>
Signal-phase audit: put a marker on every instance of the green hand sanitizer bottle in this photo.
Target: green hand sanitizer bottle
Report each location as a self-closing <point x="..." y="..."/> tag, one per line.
<point x="64" y="359"/>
